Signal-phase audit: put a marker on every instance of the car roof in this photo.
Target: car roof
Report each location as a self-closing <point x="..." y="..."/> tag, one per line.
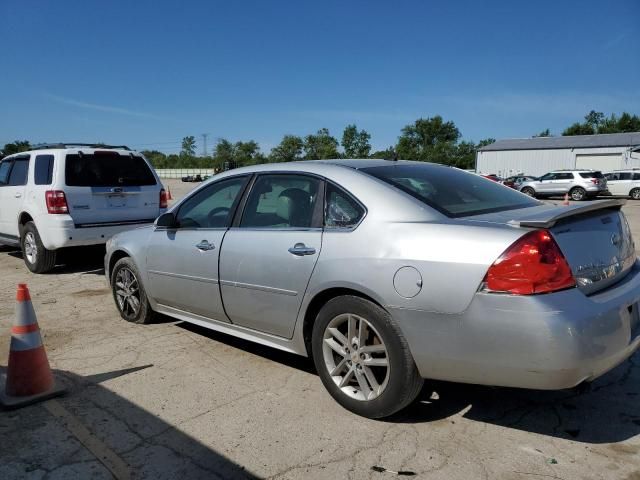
<point x="86" y="150"/>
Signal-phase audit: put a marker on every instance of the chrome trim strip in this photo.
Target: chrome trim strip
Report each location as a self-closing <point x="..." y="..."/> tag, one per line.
<point x="262" y="288"/>
<point x="185" y="277"/>
<point x="147" y="221"/>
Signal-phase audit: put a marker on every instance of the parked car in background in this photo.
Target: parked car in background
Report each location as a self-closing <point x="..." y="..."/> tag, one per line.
<point x="517" y="180"/>
<point x="579" y="184"/>
<point x="492" y="176"/>
<point x="624" y="182"/>
<point x="388" y="272"/>
<point x="67" y="195"/>
<point x="192" y="178"/>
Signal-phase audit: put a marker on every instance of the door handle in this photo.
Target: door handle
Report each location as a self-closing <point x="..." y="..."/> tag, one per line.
<point x="18" y="195"/>
<point x="204" y="245"/>
<point x="300" y="249"/>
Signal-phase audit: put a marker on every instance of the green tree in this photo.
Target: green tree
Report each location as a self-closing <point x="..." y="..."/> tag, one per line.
<point x="628" y="123"/>
<point x="430" y="139"/>
<point x="387" y="154"/>
<point x="224" y="153"/>
<point x="247" y="153"/>
<point x="157" y="158"/>
<point x="16" y="147"/>
<point x="355" y="143"/>
<point x="594" y="119"/>
<point x="485" y="142"/>
<point x="188" y="146"/>
<point x="579" y="129"/>
<point x="544" y="133"/>
<point x="288" y="150"/>
<point x="320" y="146"/>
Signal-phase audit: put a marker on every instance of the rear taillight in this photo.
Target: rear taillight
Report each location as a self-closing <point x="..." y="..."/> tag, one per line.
<point x="56" y="201"/>
<point x="533" y="264"/>
<point x="595" y="181"/>
<point x="163" y="199"/>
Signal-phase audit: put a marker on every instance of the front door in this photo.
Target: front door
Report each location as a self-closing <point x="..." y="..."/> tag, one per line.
<point x="267" y="260"/>
<point x="13" y="181"/>
<point x="183" y="262"/>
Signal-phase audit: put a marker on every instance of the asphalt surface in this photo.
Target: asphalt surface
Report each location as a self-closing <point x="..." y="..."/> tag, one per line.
<point x="172" y="400"/>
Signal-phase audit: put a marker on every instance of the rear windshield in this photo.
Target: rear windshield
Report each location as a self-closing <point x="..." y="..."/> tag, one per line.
<point x="591" y="175"/>
<point x="452" y="192"/>
<point x="106" y="170"/>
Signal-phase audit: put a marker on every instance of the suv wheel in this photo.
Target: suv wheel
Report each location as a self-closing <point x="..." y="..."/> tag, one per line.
<point x="129" y="294"/>
<point x="529" y="191"/>
<point x="36" y="257"/>
<point x="363" y="359"/>
<point x="635" y="193"/>
<point x="578" y="193"/>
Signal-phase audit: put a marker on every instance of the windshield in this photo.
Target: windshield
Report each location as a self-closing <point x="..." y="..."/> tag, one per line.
<point x="452" y="192"/>
<point x="107" y="170"/>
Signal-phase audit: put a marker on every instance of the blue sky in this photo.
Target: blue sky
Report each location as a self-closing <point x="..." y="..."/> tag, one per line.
<point x="146" y="73"/>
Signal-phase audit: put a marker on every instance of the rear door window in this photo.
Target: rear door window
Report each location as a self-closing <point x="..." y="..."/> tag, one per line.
<point x="43" y="171"/>
<point x="5" y="168"/>
<point x="18" y="175"/>
<point x="591" y="175"/>
<point x="341" y="210"/>
<point x="107" y="170"/>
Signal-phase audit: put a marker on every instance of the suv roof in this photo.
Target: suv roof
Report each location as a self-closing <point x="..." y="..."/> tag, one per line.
<point x="51" y="146"/>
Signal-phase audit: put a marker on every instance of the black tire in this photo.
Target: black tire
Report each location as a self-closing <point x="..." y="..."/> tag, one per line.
<point x="529" y="191"/>
<point x="635" y="193"/>
<point x="578" y="194"/>
<point x="404" y="381"/>
<point x="144" y="313"/>
<point x="36" y="257"/>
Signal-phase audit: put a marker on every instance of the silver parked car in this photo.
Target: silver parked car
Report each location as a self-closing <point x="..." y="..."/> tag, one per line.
<point x="579" y="184"/>
<point x="387" y="273"/>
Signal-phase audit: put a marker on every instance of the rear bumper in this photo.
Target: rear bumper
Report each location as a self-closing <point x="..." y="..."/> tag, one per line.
<point x="60" y="231"/>
<point x="544" y="342"/>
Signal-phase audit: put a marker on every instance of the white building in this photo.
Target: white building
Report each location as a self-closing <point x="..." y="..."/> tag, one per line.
<point x="537" y="156"/>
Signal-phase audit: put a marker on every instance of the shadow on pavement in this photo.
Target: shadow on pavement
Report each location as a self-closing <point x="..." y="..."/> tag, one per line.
<point x="608" y="412"/>
<point x="74" y="260"/>
<point x="34" y="442"/>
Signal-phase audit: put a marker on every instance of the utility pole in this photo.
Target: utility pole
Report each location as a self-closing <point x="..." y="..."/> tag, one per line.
<point x="204" y="144"/>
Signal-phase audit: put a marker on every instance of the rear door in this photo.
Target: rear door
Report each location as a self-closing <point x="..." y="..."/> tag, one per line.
<point x="105" y="187"/>
<point x="618" y="183"/>
<point x="12" y="195"/>
<point x="267" y="260"/>
<point x="561" y="183"/>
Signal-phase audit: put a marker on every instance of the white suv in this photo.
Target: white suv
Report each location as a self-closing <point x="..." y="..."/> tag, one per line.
<point x="68" y="195"/>
<point x="624" y="182"/>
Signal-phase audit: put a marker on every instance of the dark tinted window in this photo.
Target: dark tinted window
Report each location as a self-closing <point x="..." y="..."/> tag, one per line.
<point x="636" y="176"/>
<point x="43" y="171"/>
<point x="451" y="191"/>
<point x="281" y="201"/>
<point x="108" y="169"/>
<point x="18" y="175"/>
<point x="5" y="167"/>
<point x="548" y="176"/>
<point x="212" y="206"/>
<point x="591" y="175"/>
<point x="341" y="209"/>
<point x="564" y="176"/>
<point x="624" y="176"/>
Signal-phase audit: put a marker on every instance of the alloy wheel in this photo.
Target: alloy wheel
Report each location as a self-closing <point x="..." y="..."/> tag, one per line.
<point x="30" y="248"/>
<point x="127" y="292"/>
<point x="356" y="357"/>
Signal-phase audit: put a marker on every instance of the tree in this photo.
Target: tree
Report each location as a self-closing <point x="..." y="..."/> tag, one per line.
<point x="544" y="133"/>
<point x="388" y="154"/>
<point x="157" y="158"/>
<point x="247" y="153"/>
<point x="579" y="129"/>
<point x="628" y="123"/>
<point x="485" y="142"/>
<point x="288" y="150"/>
<point x="594" y="119"/>
<point x="320" y="146"/>
<point x="355" y="143"/>
<point x="16" y="147"/>
<point x="224" y="153"/>
<point x="188" y="146"/>
<point x="430" y="139"/>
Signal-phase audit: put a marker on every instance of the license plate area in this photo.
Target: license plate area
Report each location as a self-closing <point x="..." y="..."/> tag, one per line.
<point x="116" y="201"/>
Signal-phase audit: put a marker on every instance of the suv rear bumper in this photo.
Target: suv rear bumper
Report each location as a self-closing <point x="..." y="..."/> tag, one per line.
<point x="60" y="231"/>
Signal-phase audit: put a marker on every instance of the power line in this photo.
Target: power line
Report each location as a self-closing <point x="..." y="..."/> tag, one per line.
<point x="204" y="140"/>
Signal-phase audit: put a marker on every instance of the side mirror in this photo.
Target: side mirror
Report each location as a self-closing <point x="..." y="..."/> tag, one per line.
<point x="167" y="220"/>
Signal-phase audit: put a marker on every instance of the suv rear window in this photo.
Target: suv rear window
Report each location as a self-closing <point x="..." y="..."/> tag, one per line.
<point x="451" y="191"/>
<point x="591" y="175"/>
<point x="108" y="169"/>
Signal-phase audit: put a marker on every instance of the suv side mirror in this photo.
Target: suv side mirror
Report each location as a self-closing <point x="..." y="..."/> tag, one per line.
<point x="167" y="220"/>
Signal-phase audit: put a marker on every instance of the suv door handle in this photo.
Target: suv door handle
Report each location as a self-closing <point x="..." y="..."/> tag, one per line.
<point x="300" y="249"/>
<point x="204" y="245"/>
<point x="18" y="195"/>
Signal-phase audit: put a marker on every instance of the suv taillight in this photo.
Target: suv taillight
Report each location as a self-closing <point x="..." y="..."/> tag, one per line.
<point x="595" y="181"/>
<point x="163" y="199"/>
<point x="533" y="264"/>
<point x="56" y="201"/>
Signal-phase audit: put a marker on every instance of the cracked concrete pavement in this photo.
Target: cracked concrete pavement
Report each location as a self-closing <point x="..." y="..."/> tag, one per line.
<point x="175" y="400"/>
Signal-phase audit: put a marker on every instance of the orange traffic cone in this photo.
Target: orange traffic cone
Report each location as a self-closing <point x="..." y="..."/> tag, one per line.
<point x="169" y="197"/>
<point x="566" y="199"/>
<point x="29" y="378"/>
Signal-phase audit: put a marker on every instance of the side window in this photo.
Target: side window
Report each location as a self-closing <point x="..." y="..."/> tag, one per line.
<point x="564" y="176"/>
<point x="18" y="175"/>
<point x="281" y="201"/>
<point x="341" y="209"/>
<point x="548" y="176"/>
<point x="5" y="167"/>
<point x="625" y="176"/>
<point x="43" y="172"/>
<point x="211" y="207"/>
<point x="636" y="176"/>
<point x="610" y="176"/>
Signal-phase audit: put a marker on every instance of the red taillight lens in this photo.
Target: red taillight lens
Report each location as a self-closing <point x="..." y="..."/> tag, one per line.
<point x="595" y="181"/>
<point x="533" y="264"/>
<point x="56" y="201"/>
<point x="163" y="199"/>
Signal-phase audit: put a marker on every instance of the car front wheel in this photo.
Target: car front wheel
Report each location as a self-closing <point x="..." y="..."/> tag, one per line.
<point x="129" y="294"/>
<point x="363" y="359"/>
<point x="578" y="194"/>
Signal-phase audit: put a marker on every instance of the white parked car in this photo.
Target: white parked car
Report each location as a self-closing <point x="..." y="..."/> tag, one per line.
<point x="624" y="182"/>
<point x="67" y="195"/>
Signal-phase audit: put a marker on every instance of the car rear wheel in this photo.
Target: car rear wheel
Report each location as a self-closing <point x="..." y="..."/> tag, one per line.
<point x="37" y="258"/>
<point x="529" y="191"/>
<point x="363" y="359"/>
<point x="578" y="194"/>
<point x="129" y="294"/>
<point x="635" y="193"/>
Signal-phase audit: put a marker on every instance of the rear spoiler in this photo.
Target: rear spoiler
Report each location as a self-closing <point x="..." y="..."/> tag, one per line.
<point x="548" y="218"/>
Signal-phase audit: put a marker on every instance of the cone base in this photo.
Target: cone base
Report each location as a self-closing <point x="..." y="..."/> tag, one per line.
<point x="9" y="402"/>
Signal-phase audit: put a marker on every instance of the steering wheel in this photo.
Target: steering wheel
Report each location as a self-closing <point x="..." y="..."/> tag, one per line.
<point x="215" y="213"/>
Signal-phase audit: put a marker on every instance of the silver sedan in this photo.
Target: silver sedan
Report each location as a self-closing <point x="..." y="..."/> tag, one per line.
<point x="390" y="272"/>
